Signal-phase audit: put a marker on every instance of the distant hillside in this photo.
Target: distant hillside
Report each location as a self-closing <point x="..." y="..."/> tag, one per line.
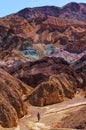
<point x="33" y="33"/>
<point x="72" y="11"/>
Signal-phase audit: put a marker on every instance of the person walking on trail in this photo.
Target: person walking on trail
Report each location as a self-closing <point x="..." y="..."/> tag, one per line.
<point x="38" y="116"/>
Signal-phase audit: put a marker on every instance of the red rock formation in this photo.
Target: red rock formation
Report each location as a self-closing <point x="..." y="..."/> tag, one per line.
<point x="80" y="65"/>
<point x="38" y="71"/>
<point x="80" y="68"/>
<point x="55" y="90"/>
<point x="25" y="36"/>
<point x="12" y="106"/>
<point x="45" y="25"/>
<point x="72" y="11"/>
<point x="38" y="74"/>
<point x="75" y="120"/>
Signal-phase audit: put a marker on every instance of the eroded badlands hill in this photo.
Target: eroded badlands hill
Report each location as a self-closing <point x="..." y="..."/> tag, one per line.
<point x="53" y="80"/>
<point x="33" y="33"/>
<point x="31" y="41"/>
<point x="12" y="106"/>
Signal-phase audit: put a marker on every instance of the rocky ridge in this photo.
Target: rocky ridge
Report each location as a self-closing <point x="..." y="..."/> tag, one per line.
<point x="52" y="78"/>
<point x="32" y="42"/>
<point x="33" y="33"/>
<point x="71" y="10"/>
<point x="12" y="106"/>
<point x="55" y="90"/>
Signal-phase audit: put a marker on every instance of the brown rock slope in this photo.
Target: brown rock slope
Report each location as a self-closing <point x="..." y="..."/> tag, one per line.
<point x="12" y="106"/>
<point x="38" y="71"/>
<point x="51" y="77"/>
<point x="55" y="90"/>
<point x="80" y="65"/>
<point x="22" y="32"/>
<point x="76" y="120"/>
<point x="71" y="10"/>
<point x="80" y="68"/>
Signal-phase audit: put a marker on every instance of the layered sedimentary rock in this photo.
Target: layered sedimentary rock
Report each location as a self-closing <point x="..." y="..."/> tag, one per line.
<point x="33" y="33"/>
<point x="55" y="90"/>
<point x="53" y="80"/>
<point x="80" y="68"/>
<point x="38" y="71"/>
<point x="76" y="120"/>
<point x="8" y="115"/>
<point x="12" y="106"/>
<point x="72" y="11"/>
<point x="80" y="65"/>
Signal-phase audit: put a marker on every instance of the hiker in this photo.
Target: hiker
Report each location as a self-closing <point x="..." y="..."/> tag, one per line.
<point x="38" y="116"/>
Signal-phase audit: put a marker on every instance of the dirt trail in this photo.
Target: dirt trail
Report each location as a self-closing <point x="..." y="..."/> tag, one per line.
<point x="50" y="115"/>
